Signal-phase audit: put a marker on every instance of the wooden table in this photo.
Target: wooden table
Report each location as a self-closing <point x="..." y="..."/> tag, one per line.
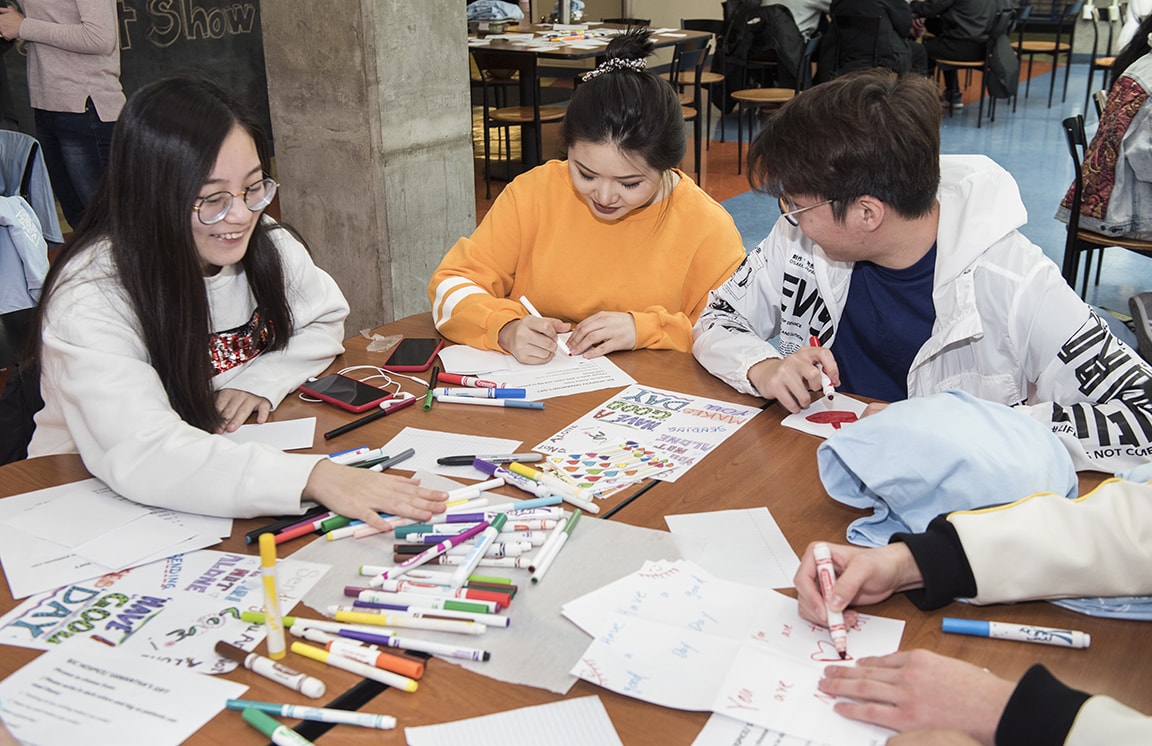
<point x="567" y="52"/>
<point x="763" y="464"/>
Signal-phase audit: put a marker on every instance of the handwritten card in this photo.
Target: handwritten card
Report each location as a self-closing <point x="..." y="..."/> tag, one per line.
<point x="674" y="635"/>
<point x="680" y="427"/>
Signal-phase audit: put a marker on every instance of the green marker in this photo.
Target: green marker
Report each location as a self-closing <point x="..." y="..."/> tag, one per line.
<point x="544" y="563"/>
<point x="277" y="732"/>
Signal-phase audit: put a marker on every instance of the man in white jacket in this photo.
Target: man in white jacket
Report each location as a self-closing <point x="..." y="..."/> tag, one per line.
<point x="1097" y="545"/>
<point x="909" y="270"/>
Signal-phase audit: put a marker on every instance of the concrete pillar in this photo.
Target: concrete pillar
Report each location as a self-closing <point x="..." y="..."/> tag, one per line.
<point x="373" y="136"/>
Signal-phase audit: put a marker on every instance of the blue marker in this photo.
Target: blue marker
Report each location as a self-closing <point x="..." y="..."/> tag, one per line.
<point x="503" y="393"/>
<point x="1067" y="638"/>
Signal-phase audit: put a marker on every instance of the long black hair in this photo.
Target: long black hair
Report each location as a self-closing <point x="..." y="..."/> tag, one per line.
<point x="638" y="111"/>
<point x="164" y="148"/>
<point x="1135" y="49"/>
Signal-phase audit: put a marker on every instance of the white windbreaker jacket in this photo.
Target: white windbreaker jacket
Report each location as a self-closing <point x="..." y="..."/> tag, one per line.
<point x="1008" y="327"/>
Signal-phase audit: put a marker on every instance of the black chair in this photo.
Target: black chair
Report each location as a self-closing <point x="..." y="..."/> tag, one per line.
<point x="529" y="114"/>
<point x="687" y="71"/>
<point x="751" y="99"/>
<point x="1099" y="100"/>
<point x="1102" y="60"/>
<point x="628" y="21"/>
<point x="15" y="328"/>
<point x="1060" y="46"/>
<point x="20" y="399"/>
<point x="714" y="78"/>
<point x="1002" y="25"/>
<point x="1079" y="240"/>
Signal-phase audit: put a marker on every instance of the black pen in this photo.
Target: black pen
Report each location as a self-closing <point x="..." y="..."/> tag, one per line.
<point x="383" y="411"/>
<point x="275" y="526"/>
<point x="502" y="459"/>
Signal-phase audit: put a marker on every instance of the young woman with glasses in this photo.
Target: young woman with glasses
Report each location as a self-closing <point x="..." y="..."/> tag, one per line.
<point x="178" y="310"/>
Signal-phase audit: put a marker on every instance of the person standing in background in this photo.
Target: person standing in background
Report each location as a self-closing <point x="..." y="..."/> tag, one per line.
<point x="74" y="88"/>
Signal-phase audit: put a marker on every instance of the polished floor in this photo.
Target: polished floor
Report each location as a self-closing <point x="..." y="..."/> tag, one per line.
<point x="1029" y="143"/>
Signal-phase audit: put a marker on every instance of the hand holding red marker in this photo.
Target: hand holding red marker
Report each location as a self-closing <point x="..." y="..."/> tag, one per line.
<point x="825" y="381"/>
<point x="827" y="575"/>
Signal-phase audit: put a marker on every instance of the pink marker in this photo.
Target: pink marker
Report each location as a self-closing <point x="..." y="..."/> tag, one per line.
<point x="427" y="554"/>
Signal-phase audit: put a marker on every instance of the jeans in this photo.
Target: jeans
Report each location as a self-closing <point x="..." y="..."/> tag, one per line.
<point x="76" y="148"/>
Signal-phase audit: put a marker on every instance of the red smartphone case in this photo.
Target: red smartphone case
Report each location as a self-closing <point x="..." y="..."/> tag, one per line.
<point x="412" y="366"/>
<point x="347" y="406"/>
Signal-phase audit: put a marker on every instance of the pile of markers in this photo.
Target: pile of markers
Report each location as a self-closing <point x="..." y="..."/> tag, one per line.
<point x="409" y="596"/>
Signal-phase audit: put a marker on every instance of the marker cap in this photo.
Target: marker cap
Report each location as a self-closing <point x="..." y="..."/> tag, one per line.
<point x="966" y="627"/>
<point x="260" y="720"/>
<point x="273" y="729"/>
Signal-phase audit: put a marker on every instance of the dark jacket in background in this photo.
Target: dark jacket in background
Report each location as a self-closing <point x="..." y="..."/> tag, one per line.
<point x="842" y="49"/>
<point x="959" y="19"/>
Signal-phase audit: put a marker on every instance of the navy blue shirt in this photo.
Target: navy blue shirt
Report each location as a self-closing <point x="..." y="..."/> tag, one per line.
<point x="887" y="319"/>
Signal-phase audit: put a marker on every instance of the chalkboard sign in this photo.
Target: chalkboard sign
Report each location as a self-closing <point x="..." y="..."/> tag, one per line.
<point x="220" y="38"/>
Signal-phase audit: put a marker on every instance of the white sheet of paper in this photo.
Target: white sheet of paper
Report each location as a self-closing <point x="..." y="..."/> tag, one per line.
<point x="134" y="543"/>
<point x="33" y="565"/>
<point x="75" y="517"/>
<point x="433" y="444"/>
<point x="806" y="420"/>
<point x="721" y="730"/>
<point x="560" y="376"/>
<point x="466" y="360"/>
<point x="571" y="722"/>
<point x="285" y="435"/>
<point x="587" y="375"/>
<point x="675" y="635"/>
<point x="90" y="693"/>
<point x="744" y="546"/>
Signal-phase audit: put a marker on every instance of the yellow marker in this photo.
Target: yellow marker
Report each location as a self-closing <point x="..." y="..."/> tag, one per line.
<point x="395" y="680"/>
<point x="459" y="626"/>
<point x="272" y="619"/>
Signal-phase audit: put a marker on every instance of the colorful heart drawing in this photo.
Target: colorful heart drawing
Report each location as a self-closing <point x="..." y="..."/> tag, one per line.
<point x="833" y="417"/>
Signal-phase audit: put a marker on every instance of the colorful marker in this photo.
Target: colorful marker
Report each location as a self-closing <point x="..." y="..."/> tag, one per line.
<point x="543" y="565"/>
<point x="1067" y="638"/>
<point x="309" y="686"/>
<point x="274" y="730"/>
<point x="468" y="381"/>
<point x="272" y="620"/>
<point x="419" y="559"/>
<point x="827" y="575"/>
<point x="318" y="714"/>
<point x="395" y="680"/>
<point x="508" y="403"/>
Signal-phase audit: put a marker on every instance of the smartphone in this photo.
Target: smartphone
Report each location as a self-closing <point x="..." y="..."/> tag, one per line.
<point x="413" y="354"/>
<point x="346" y="393"/>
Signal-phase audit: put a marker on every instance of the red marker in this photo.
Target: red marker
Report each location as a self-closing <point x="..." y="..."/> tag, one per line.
<point x="825" y="381"/>
<point x="472" y="381"/>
